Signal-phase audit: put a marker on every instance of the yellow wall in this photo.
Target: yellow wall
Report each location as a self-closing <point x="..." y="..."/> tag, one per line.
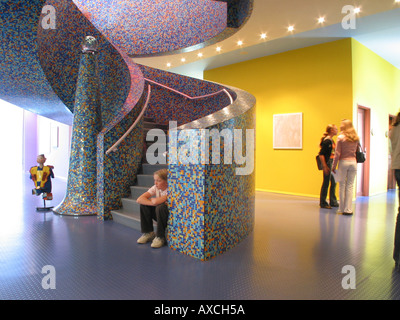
<point x="326" y="83"/>
<point x="316" y="81"/>
<point x="376" y="86"/>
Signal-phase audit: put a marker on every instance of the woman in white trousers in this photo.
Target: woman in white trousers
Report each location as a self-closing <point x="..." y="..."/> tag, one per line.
<point x="345" y="157"/>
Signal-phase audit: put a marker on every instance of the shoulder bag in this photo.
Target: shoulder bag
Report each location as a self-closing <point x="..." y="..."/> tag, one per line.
<point x="360" y="155"/>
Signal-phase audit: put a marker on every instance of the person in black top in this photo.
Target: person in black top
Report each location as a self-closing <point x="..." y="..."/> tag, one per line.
<point x="326" y="155"/>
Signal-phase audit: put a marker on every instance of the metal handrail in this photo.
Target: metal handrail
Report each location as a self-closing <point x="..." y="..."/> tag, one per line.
<point x="115" y="145"/>
<point x="189" y="97"/>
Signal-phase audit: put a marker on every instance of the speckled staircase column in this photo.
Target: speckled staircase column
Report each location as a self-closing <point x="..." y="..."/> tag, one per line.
<point x="81" y="197"/>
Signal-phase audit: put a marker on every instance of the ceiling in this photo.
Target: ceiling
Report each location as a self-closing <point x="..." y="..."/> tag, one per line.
<point x="377" y="26"/>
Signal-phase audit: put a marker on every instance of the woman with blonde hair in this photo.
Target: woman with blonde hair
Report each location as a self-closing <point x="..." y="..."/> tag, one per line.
<point x="345" y="157"/>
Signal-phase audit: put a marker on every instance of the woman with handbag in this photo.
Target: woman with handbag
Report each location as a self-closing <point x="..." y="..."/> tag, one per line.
<point x="345" y="157"/>
<point x="326" y="155"/>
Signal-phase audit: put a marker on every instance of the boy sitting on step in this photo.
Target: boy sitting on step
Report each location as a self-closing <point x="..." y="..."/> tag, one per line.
<point x="153" y="205"/>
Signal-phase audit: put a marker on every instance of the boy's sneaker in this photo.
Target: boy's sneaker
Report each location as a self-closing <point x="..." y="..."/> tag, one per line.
<point x="146" y="237"/>
<point x="157" y="242"/>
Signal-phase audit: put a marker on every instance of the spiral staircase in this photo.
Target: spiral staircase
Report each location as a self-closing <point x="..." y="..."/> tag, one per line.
<point x="211" y="207"/>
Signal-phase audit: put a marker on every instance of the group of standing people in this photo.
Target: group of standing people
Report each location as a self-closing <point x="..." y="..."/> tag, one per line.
<point x="343" y="155"/>
<point x="340" y="159"/>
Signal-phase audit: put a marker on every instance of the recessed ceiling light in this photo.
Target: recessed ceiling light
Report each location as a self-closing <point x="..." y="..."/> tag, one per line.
<point x="321" y="19"/>
<point x="357" y="10"/>
<point x="264" y="35"/>
<point x="240" y="42"/>
<point x="183" y="59"/>
<point x="199" y="54"/>
<point x="168" y="64"/>
<point x="218" y="49"/>
<point x="290" y="28"/>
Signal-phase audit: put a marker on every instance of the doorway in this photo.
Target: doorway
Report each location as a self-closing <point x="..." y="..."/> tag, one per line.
<point x="364" y="128"/>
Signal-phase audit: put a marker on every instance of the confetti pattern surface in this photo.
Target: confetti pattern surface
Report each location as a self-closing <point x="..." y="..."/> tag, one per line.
<point x="22" y="80"/>
<point x="167" y="105"/>
<point x="150" y="27"/>
<point x="212" y="206"/>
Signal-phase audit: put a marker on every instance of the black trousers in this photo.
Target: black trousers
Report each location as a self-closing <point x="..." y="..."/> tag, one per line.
<point x="325" y="187"/>
<point x="396" y="250"/>
<point x="158" y="213"/>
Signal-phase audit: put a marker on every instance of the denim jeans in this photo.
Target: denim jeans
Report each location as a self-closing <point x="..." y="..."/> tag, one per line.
<point x="325" y="187"/>
<point x="347" y="172"/>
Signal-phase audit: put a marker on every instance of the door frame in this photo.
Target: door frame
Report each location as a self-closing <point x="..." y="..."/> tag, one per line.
<point x="366" y="144"/>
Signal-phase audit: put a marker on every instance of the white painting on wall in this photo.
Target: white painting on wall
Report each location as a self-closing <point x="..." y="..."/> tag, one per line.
<point x="288" y="131"/>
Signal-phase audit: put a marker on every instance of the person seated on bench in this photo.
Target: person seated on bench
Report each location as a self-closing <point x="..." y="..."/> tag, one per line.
<point x="153" y="205"/>
<point x="41" y="176"/>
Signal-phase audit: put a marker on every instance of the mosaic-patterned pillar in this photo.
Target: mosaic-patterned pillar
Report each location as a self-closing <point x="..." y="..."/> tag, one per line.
<point x="81" y="188"/>
<point x="211" y="202"/>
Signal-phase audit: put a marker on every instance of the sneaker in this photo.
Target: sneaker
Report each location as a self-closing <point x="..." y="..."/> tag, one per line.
<point x="146" y="237"/>
<point x="157" y="242"/>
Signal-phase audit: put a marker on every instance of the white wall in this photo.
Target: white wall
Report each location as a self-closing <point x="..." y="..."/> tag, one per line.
<point x="24" y="135"/>
<point x="11" y="164"/>
<point x="54" y="142"/>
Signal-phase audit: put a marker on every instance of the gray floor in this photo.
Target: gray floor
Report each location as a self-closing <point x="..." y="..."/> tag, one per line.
<point x="297" y="251"/>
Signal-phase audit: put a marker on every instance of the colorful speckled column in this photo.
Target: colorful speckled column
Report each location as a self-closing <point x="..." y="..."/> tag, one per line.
<point x="82" y="184"/>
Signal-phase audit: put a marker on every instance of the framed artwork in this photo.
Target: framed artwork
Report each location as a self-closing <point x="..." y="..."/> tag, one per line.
<point x="288" y="131"/>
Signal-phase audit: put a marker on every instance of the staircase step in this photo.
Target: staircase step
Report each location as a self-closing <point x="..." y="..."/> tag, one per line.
<point x="145" y="180"/>
<point x="137" y="191"/>
<point x="129" y="214"/>
<point x="151" y="168"/>
<point x="130" y="205"/>
<point x="148" y="119"/>
<point x="151" y="136"/>
<point x="157" y="146"/>
<point x="129" y="219"/>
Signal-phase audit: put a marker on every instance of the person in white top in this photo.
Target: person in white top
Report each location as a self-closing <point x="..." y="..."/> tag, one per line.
<point x="153" y="205"/>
